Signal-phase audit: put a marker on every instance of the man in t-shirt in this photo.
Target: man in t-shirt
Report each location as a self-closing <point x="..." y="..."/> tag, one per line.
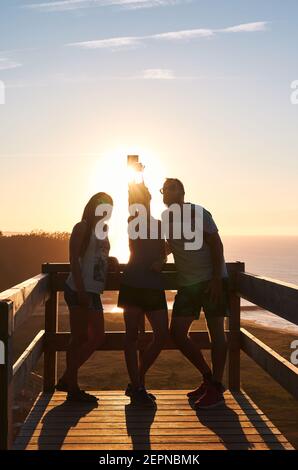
<point x="202" y="283"/>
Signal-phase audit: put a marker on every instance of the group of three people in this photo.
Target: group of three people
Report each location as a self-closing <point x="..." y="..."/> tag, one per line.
<point x="202" y="283"/>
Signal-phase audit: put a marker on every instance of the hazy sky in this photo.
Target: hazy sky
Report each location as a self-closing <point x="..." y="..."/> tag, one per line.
<point x="201" y="89"/>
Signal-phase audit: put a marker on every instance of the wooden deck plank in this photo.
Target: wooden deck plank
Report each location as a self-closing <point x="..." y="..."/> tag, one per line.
<point x="119" y="404"/>
<point x="123" y="401"/>
<point x="154" y="431"/>
<point x="116" y="405"/>
<point x="167" y="414"/>
<point x="103" y="411"/>
<point x="55" y="427"/>
<point x="173" y="424"/>
<point x="154" y="440"/>
<point x="197" y="447"/>
<point x="121" y="396"/>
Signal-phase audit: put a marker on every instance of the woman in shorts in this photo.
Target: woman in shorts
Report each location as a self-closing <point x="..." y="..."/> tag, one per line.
<point x="88" y="268"/>
<point x="141" y="293"/>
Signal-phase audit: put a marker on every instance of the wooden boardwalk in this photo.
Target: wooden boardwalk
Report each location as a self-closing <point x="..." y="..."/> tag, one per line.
<point x="172" y="424"/>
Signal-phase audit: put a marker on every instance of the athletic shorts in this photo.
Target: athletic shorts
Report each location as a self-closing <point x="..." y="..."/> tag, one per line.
<point x="71" y="298"/>
<point x="146" y="299"/>
<point x="189" y="301"/>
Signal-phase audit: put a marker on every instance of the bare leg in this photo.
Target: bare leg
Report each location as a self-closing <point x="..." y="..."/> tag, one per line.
<point x="179" y="331"/>
<point x="218" y="346"/>
<point x="87" y="332"/>
<point x="79" y="336"/>
<point x="96" y="334"/>
<point x="132" y="317"/>
<point x="159" y="322"/>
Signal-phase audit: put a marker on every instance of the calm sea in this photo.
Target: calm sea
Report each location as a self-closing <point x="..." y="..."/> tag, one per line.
<point x="275" y="257"/>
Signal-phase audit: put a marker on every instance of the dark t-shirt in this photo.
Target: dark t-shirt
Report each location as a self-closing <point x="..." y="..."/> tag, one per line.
<point x="143" y="253"/>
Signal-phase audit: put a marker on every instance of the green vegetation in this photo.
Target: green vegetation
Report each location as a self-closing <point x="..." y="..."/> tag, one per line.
<point x="22" y="255"/>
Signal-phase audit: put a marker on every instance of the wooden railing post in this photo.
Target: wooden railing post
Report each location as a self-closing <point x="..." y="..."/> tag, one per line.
<point x="50" y="357"/>
<point x="234" y="338"/>
<point x="6" y="374"/>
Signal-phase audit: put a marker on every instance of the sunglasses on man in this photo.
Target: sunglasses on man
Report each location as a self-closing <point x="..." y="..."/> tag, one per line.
<point x="169" y="187"/>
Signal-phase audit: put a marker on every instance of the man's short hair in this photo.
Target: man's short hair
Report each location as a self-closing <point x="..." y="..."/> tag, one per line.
<point x="176" y="182"/>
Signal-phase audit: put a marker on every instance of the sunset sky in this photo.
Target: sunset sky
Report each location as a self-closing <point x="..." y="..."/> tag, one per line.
<point x="200" y="89"/>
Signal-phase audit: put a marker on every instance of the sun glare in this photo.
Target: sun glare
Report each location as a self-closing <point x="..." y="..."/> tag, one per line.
<point x="133" y="176"/>
<point x="111" y="175"/>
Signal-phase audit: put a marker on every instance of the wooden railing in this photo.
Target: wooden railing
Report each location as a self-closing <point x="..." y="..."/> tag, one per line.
<point x="280" y="298"/>
<point x="18" y="303"/>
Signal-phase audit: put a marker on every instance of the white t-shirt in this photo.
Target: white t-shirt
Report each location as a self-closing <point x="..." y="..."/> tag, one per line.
<point x="94" y="265"/>
<point x="195" y="266"/>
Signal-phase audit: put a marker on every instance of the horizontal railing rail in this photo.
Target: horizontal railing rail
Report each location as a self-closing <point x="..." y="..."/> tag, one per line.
<point x="28" y="361"/>
<point x="114" y="341"/>
<point x="278" y="297"/>
<point x="60" y="271"/>
<point x="281" y="370"/>
<point x="26" y="297"/>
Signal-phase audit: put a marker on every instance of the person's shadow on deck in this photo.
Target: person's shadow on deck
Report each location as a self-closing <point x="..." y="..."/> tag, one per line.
<point x="57" y="422"/>
<point x="219" y="421"/>
<point x="138" y="424"/>
<point x="268" y="436"/>
<point x="223" y="418"/>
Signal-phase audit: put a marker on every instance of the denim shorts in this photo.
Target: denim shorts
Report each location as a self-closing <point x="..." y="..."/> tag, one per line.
<point x="71" y="298"/>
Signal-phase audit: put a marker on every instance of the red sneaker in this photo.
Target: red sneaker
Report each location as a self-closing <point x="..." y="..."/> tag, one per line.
<point x="211" y="398"/>
<point x="198" y="392"/>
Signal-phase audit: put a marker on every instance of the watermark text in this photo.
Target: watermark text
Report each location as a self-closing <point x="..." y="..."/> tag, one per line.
<point x="2" y="92"/>
<point x="294" y="94"/>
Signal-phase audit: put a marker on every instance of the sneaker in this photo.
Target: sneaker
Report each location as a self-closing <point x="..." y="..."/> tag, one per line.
<point x="61" y="386"/>
<point x="212" y="398"/>
<point x="129" y="391"/>
<point x="141" y="397"/>
<point x="198" y="392"/>
<point x="81" y="396"/>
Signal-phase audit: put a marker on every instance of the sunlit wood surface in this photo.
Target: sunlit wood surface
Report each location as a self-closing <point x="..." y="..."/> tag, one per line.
<point x="172" y="424"/>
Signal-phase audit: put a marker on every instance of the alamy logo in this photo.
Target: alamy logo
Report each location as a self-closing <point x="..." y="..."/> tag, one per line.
<point x="2" y="353"/>
<point x="2" y="92"/>
<point x="294" y="94"/>
<point x="178" y="223"/>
